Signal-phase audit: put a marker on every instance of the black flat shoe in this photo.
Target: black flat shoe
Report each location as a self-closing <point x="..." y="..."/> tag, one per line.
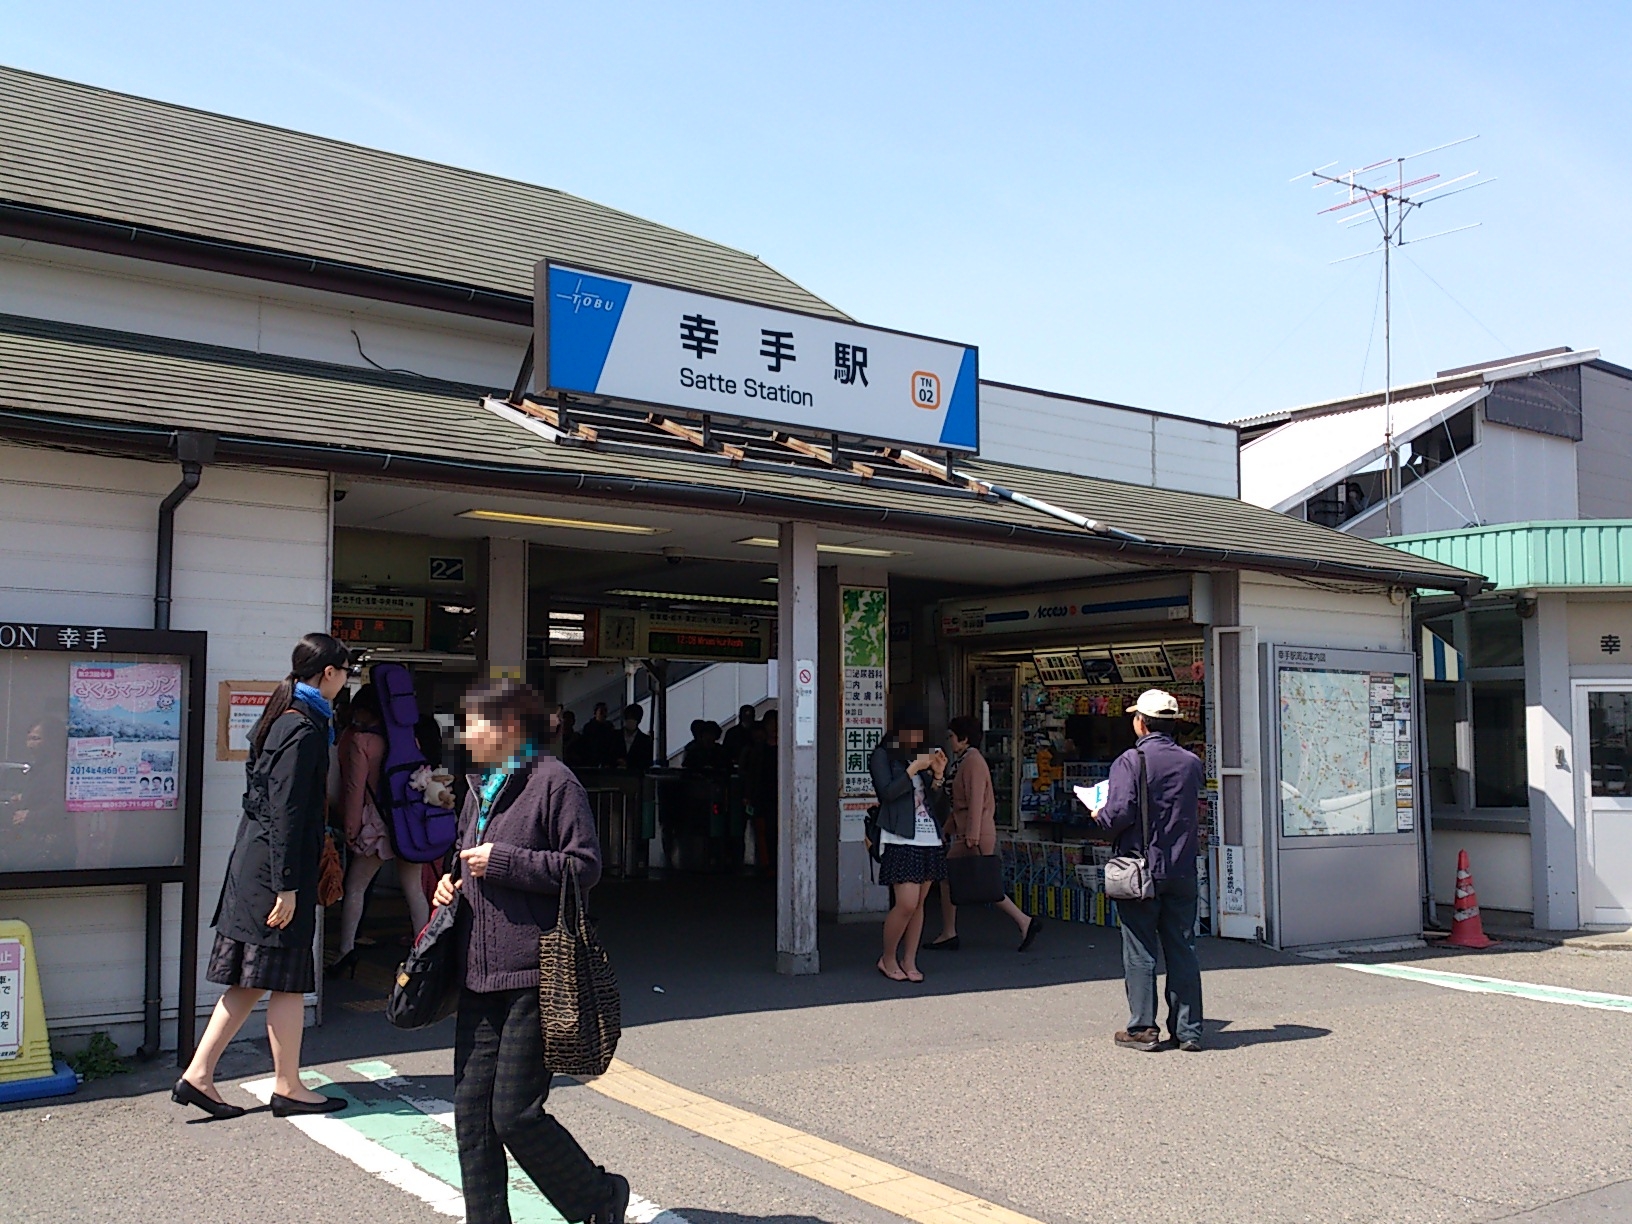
<point x="343" y="964"/>
<point x="1035" y="925"/>
<point x="944" y="945"/>
<point x="617" y="1204"/>
<point x="284" y="1107"/>
<point x="185" y="1094"/>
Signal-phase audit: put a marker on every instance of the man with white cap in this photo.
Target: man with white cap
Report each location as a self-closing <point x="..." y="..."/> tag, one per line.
<point x="1170" y="778"/>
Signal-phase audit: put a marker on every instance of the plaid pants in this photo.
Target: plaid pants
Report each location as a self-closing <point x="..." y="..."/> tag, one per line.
<point x="499" y="1089"/>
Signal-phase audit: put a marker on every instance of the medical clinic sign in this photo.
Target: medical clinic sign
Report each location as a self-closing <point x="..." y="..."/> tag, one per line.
<point x="672" y="348"/>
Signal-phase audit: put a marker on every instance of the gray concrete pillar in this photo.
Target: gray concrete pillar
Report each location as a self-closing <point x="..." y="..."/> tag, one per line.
<point x="503" y="645"/>
<point x="1549" y="747"/>
<point x="797" y="679"/>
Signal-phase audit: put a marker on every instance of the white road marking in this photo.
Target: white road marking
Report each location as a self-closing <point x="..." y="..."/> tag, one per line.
<point x="370" y="1156"/>
<point x="1475" y="984"/>
<point x="400" y="1172"/>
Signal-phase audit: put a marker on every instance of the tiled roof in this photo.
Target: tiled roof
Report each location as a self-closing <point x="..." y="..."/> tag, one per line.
<point x="73" y="149"/>
<point x="62" y="372"/>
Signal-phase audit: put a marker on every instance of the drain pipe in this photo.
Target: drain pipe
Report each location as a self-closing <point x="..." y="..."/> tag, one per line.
<point x="194" y="450"/>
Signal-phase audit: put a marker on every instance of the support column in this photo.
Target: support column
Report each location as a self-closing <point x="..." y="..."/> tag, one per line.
<point x="797" y="678"/>
<point x="1549" y="747"/>
<point x="503" y="647"/>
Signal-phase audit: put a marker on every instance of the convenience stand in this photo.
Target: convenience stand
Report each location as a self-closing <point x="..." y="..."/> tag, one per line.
<point x="27" y="648"/>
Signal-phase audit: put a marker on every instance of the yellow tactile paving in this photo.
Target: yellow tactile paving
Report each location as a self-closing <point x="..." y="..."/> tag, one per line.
<point x="908" y="1195"/>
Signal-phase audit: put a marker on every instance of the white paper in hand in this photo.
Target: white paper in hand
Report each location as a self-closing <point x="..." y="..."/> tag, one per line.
<point x="1093" y="797"/>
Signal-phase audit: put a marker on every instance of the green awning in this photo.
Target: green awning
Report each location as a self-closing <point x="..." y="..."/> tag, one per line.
<point x="1532" y="556"/>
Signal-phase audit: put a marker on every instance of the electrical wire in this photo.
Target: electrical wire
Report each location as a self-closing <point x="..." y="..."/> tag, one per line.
<point x="377" y="365"/>
<point x="1371" y="335"/>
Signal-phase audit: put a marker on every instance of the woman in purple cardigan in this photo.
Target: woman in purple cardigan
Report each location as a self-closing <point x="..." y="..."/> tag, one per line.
<point x="526" y="823"/>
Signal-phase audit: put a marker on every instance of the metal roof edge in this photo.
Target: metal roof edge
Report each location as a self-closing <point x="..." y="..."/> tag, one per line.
<point x="1491" y="528"/>
<point x="78" y="433"/>
<point x="1099" y="403"/>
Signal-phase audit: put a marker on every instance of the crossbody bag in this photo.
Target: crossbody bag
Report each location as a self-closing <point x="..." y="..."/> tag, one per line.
<point x="1127" y="876"/>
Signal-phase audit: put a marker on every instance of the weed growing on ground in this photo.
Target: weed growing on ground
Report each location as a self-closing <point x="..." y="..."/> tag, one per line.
<point x="98" y="1060"/>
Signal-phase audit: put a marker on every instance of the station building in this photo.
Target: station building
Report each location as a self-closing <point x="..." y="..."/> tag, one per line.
<point x="312" y="361"/>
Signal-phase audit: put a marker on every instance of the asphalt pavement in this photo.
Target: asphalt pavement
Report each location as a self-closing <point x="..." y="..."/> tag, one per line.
<point x="1324" y="1094"/>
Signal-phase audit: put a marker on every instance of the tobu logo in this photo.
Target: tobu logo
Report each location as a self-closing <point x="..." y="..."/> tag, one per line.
<point x="926" y="390"/>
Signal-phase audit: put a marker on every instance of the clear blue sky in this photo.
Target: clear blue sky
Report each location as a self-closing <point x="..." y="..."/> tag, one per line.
<point x="1098" y="196"/>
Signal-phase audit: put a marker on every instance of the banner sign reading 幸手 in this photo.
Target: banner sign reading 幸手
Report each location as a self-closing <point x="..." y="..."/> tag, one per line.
<point x="673" y="348"/>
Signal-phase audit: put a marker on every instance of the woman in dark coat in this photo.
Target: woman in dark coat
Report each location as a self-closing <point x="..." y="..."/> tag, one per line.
<point x="526" y="824"/>
<point x="906" y="779"/>
<point x="267" y="913"/>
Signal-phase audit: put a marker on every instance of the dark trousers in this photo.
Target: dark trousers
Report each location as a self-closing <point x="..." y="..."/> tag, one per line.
<point x="1168" y="922"/>
<point x="499" y="1089"/>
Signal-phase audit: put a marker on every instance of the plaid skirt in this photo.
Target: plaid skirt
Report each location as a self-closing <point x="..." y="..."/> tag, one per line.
<point x="287" y="970"/>
<point x="911" y="864"/>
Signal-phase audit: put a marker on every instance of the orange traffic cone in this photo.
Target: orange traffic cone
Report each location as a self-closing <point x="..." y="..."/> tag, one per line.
<point x="1467" y="930"/>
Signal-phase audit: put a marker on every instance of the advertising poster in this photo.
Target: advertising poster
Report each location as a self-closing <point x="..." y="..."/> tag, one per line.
<point x="864" y="630"/>
<point x="124" y="736"/>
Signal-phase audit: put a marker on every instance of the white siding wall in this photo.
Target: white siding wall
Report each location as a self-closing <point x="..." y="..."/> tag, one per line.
<point x="1292" y="613"/>
<point x="1499" y="862"/>
<point x="1512" y="476"/>
<point x="150" y="299"/>
<point x="1060" y="434"/>
<point x="77" y="540"/>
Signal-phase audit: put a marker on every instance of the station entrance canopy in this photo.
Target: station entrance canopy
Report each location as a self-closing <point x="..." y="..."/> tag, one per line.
<point x="666" y="347"/>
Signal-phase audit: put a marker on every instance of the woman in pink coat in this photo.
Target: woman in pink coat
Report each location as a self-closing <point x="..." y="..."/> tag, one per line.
<point x="971" y="828"/>
<point x="362" y="752"/>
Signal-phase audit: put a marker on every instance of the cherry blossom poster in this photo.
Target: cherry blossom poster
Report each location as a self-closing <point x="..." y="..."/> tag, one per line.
<point x="124" y="736"/>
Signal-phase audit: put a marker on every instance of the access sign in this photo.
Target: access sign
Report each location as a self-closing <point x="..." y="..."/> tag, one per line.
<point x="691" y="352"/>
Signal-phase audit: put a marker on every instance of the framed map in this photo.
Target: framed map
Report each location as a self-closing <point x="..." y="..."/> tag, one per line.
<point x="1345" y="752"/>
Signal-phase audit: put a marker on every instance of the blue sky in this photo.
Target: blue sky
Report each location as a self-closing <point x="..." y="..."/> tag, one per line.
<point x="1096" y="195"/>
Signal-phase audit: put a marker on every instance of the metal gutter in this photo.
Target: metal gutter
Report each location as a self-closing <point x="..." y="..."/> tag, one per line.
<point x="149" y="441"/>
<point x="58" y="228"/>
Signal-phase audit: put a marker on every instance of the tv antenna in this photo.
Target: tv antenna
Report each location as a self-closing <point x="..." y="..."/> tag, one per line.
<point x="1382" y="192"/>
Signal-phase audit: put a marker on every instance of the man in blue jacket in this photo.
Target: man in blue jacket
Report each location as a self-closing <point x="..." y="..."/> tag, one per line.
<point x="1173" y="780"/>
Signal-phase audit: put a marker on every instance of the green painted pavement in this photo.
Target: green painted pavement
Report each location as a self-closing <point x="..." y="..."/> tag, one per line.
<point x="426" y="1143"/>
<point x="1475" y="984"/>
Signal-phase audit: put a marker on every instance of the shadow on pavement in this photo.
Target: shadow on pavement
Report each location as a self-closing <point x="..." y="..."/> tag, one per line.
<point x="1220" y="1036"/>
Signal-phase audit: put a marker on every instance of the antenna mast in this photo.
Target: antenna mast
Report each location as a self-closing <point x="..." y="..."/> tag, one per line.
<point x="1382" y="188"/>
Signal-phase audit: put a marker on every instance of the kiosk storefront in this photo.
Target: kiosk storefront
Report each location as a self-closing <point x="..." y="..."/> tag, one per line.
<point x="1309" y="820"/>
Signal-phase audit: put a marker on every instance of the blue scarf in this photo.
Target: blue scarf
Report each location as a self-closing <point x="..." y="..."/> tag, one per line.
<point x="319" y="704"/>
<point x="493" y="782"/>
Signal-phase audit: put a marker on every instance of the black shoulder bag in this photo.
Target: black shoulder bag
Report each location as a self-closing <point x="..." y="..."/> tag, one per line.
<point x="427" y="984"/>
<point x="1127" y="877"/>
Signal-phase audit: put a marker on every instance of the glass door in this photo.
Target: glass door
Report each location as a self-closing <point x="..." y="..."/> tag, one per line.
<point x="994" y="706"/>
<point x="1604" y="723"/>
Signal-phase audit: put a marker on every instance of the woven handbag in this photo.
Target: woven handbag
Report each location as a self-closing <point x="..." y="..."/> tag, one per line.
<point x="579" y="1009"/>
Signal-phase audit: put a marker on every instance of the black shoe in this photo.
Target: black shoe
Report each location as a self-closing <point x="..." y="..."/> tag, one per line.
<point x="1190" y="1047"/>
<point x="185" y="1094"/>
<point x="341" y="965"/>
<point x="1146" y="1040"/>
<point x="1030" y="936"/>
<point x="284" y="1107"/>
<point x="944" y="945"/>
<point x="617" y="1202"/>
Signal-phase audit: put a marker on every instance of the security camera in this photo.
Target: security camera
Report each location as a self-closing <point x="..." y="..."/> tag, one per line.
<point x="674" y="555"/>
<point x="1525" y="606"/>
<point x="340" y="495"/>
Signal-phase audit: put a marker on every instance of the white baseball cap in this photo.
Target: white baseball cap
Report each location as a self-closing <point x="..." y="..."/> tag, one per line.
<point x="1153" y="703"/>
